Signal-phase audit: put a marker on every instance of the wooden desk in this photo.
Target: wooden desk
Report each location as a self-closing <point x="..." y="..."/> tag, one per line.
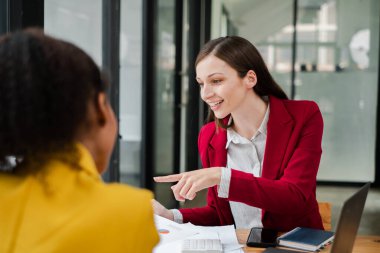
<point x="363" y="244"/>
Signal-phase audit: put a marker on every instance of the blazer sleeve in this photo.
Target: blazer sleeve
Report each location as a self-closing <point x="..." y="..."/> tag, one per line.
<point x="204" y="216"/>
<point x="290" y="192"/>
<point x="207" y="215"/>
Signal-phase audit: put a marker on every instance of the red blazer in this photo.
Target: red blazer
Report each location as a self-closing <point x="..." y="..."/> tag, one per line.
<point x="286" y="190"/>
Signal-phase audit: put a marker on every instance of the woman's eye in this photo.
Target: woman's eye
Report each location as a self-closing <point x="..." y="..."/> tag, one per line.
<point x="216" y="81"/>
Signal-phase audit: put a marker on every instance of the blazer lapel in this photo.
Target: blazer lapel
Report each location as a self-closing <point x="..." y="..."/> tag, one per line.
<point x="279" y="129"/>
<point x="217" y="149"/>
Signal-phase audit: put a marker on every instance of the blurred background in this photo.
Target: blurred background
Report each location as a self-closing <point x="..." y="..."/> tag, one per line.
<point x="321" y="50"/>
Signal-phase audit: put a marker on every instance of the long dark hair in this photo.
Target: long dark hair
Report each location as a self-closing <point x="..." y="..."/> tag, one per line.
<point x="242" y="56"/>
<point x="46" y="86"/>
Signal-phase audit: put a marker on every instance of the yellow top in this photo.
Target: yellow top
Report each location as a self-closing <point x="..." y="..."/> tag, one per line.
<point x="63" y="209"/>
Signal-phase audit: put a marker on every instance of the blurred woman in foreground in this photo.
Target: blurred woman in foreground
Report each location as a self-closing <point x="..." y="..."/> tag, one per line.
<point x="57" y="132"/>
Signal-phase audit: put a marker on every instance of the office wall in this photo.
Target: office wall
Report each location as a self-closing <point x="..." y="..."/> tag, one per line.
<point x="79" y="22"/>
<point x="336" y="65"/>
<point x="345" y="85"/>
<point x="130" y="121"/>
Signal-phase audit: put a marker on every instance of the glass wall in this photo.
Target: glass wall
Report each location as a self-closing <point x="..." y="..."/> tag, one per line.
<point x="79" y="22"/>
<point x="249" y="19"/>
<point x="130" y="121"/>
<point x="337" y="54"/>
<point x="337" y="64"/>
<point x="164" y="98"/>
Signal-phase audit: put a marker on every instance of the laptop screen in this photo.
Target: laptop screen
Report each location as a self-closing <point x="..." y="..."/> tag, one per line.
<point x="349" y="221"/>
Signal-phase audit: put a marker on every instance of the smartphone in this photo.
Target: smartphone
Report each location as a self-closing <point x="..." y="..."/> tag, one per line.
<point x="262" y="237"/>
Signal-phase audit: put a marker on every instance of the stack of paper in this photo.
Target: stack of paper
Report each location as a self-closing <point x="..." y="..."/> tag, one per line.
<point x="172" y="235"/>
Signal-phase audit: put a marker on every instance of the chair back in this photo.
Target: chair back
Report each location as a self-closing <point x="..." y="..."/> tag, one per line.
<point x="325" y="211"/>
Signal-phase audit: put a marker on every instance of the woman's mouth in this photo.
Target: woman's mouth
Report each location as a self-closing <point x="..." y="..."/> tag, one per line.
<point x="215" y="105"/>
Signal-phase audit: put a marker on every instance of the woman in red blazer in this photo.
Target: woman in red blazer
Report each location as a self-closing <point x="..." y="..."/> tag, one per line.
<point x="274" y="185"/>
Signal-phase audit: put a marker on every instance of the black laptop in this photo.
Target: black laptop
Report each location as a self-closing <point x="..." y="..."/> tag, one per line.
<point x="349" y="221"/>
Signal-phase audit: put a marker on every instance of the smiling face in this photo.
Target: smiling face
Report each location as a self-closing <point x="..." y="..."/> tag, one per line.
<point x="221" y="87"/>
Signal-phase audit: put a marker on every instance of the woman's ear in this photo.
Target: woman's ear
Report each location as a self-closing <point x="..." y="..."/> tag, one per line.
<point x="101" y="108"/>
<point x="251" y="79"/>
<point x="99" y="132"/>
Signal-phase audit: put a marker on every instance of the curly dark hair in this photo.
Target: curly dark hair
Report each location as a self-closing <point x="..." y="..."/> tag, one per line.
<point x="46" y="85"/>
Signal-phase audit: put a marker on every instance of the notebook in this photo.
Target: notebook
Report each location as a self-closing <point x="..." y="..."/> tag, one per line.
<point x="306" y="238"/>
<point x="346" y="229"/>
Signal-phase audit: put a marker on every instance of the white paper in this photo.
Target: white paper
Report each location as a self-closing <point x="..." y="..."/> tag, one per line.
<point x="172" y="235"/>
<point x="170" y="231"/>
<point x="227" y="236"/>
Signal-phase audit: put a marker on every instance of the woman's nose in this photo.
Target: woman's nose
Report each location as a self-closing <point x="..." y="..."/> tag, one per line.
<point x="207" y="91"/>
